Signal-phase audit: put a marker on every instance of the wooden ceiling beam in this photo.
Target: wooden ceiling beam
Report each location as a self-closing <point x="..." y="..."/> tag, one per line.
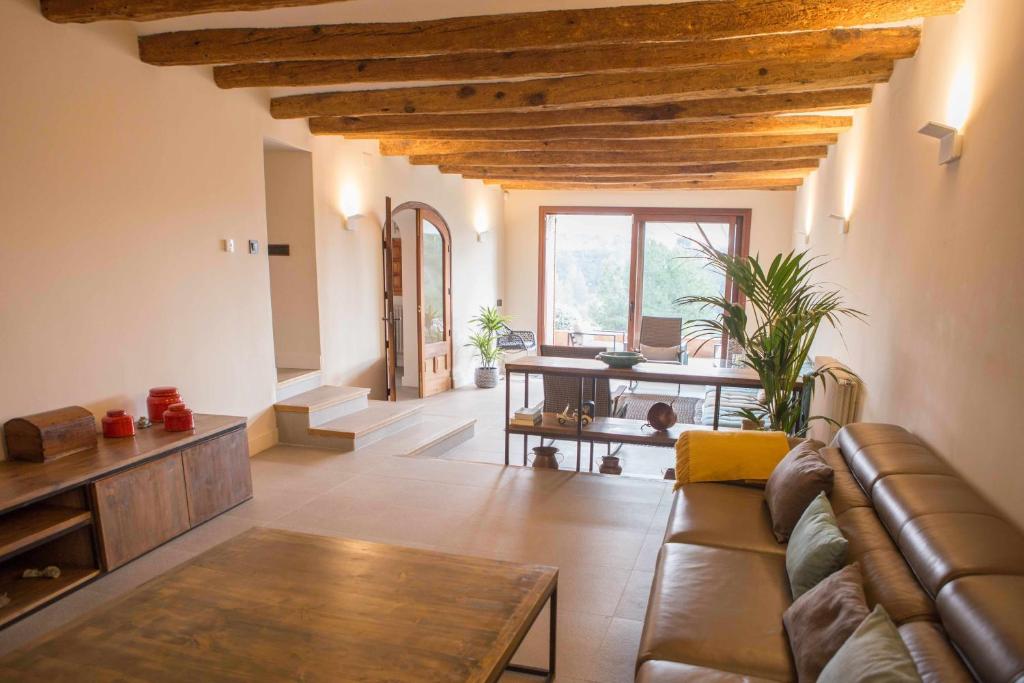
<point x="789" y="168"/>
<point x="680" y="113"/>
<point x="614" y="180"/>
<point x="85" y="11"/>
<point x="406" y="147"/>
<point x="717" y="184"/>
<point x="702" y="20"/>
<point x="835" y="46"/>
<point x="618" y="158"/>
<point x="647" y="87"/>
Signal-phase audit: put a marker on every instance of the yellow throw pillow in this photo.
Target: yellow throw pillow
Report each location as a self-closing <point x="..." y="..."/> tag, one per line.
<point x="728" y="456"/>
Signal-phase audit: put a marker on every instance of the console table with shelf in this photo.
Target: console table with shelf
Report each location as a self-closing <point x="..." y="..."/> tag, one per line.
<point x="609" y="429"/>
<point x="91" y="512"/>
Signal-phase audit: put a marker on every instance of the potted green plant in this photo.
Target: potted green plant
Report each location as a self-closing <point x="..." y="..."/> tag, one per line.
<point x="484" y="340"/>
<point x="786" y="308"/>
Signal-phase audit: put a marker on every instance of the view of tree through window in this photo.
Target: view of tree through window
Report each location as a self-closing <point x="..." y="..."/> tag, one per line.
<point x="591" y="288"/>
<point x="433" y="284"/>
<point x="672" y="267"/>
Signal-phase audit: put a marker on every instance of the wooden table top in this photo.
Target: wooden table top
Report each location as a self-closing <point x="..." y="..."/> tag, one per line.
<point x="23" y="482"/>
<point x="273" y="605"/>
<point x="670" y="373"/>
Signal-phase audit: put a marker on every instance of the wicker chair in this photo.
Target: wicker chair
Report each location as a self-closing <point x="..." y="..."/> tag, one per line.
<point x="663" y="333"/>
<point x="560" y="392"/>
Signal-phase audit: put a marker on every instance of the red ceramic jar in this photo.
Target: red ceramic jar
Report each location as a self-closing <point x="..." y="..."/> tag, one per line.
<point x="159" y="400"/>
<point x="178" y="418"/>
<point x="118" y="424"/>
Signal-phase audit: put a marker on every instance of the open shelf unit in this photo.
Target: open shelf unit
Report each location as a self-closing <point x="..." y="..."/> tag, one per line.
<point x="606" y="430"/>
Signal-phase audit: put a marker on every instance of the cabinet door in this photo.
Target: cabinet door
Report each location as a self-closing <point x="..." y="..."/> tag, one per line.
<point x="139" y="509"/>
<point x="217" y="475"/>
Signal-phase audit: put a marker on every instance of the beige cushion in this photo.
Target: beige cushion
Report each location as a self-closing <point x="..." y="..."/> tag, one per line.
<point x="793" y="484"/>
<point x="674" y="672"/>
<point x="820" y="621"/>
<point x="875" y="652"/>
<point x="816" y="549"/>
<point x="720" y="609"/>
<point x="660" y="352"/>
<point x="722" y="515"/>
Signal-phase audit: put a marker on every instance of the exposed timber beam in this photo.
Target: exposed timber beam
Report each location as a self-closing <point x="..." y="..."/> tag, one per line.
<point x="702" y="20"/>
<point x="836" y="46"/>
<point x="434" y="125"/>
<point x="789" y="168"/>
<point x="647" y="87"/>
<point x="85" y="11"/>
<point x="724" y="184"/>
<point x="605" y="180"/>
<point x="617" y="158"/>
<point x="406" y="147"/>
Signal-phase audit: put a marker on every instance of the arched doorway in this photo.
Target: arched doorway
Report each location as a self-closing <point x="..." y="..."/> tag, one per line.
<point x="418" y="308"/>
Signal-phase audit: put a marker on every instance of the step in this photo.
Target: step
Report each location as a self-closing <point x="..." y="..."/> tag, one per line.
<point x="354" y="430"/>
<point x="325" y="403"/>
<point x="431" y="436"/>
<point x="297" y="382"/>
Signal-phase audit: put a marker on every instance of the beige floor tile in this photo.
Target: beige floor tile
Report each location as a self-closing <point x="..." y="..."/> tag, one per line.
<point x="648" y="556"/>
<point x="633" y="603"/>
<point x="578" y="638"/>
<point x="615" y="659"/>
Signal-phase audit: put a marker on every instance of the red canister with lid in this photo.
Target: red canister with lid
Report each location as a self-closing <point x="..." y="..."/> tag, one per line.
<point x="159" y="400"/>
<point x="117" y="424"/>
<point x="178" y="418"/>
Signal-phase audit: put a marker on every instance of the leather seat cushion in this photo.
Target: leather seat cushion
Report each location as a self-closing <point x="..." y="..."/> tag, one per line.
<point x="874" y="462"/>
<point x="721" y="609"/>
<point x="888" y="579"/>
<point x="902" y="497"/>
<point x="674" y="672"/>
<point x="723" y="516"/>
<point x="846" y="492"/>
<point x="983" y="616"/>
<point x="854" y="437"/>
<point x="947" y="545"/>
<point x="933" y="654"/>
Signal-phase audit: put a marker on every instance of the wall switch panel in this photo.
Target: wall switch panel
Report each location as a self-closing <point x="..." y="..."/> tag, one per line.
<point x="229" y="246"/>
<point x="254" y="247"/>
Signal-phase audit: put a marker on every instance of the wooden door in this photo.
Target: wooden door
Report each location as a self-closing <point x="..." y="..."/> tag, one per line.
<point x="217" y="475"/>
<point x="434" y="306"/>
<point x="390" y="320"/>
<point x="139" y="509"/>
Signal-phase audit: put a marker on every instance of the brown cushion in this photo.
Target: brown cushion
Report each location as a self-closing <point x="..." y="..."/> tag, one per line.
<point x="820" y="620"/>
<point x="722" y="515"/>
<point x="720" y="609"/>
<point x="872" y="463"/>
<point x="900" y="498"/>
<point x="675" y="672"/>
<point x="982" y="615"/>
<point x="796" y="480"/>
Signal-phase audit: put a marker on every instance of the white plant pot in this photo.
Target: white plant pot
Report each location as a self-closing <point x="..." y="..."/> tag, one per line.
<point x="486" y="378"/>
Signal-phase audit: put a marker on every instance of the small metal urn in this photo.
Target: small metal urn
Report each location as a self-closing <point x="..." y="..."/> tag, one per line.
<point x="545" y="457"/>
<point x="610" y="465"/>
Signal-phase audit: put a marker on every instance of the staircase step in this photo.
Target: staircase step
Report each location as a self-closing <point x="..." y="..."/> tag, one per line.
<point x="297" y="384"/>
<point x="377" y="416"/>
<point x="320" y="398"/>
<point x="431" y="436"/>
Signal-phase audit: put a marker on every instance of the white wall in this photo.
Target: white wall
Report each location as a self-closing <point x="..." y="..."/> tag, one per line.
<point x="293" y="283"/>
<point x="771" y="229"/>
<point x="934" y="252"/>
<point x="118" y="181"/>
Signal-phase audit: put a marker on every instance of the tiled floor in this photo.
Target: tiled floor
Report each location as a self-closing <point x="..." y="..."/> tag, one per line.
<point x="488" y="407"/>
<point x="602" y="532"/>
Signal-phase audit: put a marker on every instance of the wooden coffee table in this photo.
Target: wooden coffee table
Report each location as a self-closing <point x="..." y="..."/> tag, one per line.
<point x="274" y="605"/>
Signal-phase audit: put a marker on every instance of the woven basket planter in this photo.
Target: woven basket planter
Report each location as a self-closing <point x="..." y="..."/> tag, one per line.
<point x="486" y="378"/>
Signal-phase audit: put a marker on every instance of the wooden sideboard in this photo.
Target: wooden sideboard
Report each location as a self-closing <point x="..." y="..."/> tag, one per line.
<point x="91" y="512"/>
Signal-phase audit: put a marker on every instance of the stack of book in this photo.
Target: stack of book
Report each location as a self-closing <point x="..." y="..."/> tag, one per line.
<point x="527" y="417"/>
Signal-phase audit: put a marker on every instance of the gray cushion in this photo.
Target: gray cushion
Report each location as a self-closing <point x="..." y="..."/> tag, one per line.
<point x="875" y="652"/>
<point x="816" y="547"/>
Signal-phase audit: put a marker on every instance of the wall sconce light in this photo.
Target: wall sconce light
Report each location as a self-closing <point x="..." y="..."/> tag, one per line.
<point x="951" y="141"/>
<point x="845" y="220"/>
<point x="350" y="205"/>
<point x="349" y="222"/>
<point x="481" y="224"/>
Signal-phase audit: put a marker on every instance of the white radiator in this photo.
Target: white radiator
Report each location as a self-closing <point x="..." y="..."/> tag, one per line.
<point x="838" y="400"/>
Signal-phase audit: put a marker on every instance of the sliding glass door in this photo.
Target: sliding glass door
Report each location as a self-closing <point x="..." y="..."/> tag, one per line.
<point x="603" y="270"/>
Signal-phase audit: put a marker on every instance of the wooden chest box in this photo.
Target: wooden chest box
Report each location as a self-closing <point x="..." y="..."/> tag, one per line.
<point x="47" y="436"/>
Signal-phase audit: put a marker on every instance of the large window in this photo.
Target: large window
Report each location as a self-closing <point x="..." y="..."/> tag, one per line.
<point x="605" y="269"/>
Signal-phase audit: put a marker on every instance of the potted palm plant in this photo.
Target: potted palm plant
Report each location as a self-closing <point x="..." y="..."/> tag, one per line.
<point x="488" y="323"/>
<point x="775" y="328"/>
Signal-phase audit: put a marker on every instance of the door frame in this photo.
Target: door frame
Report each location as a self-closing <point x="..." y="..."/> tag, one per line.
<point x="422" y="211"/>
<point x="739" y="236"/>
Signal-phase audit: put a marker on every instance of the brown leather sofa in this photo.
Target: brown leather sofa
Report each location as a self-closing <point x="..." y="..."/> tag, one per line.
<point x="943" y="561"/>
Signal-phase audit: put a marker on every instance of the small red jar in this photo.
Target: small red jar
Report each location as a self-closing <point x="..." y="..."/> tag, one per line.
<point x="178" y="418"/>
<point x="159" y="400"/>
<point x="118" y="424"/>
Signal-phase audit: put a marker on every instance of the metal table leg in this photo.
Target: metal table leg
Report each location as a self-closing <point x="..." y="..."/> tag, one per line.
<point x="526" y="404"/>
<point x="718" y="406"/>
<point x="549" y="673"/>
<point x="508" y="401"/>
